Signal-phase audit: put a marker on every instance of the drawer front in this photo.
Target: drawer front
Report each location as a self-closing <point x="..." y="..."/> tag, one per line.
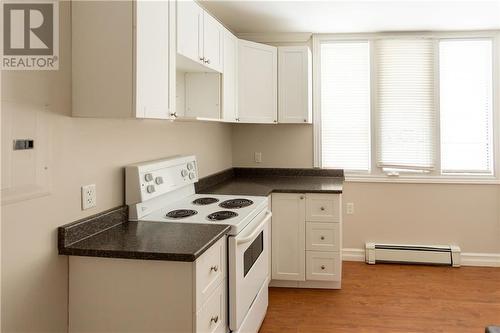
<point x="210" y="271"/>
<point x="323" y="266"/>
<point x="323" y="236"/>
<point x="211" y="318"/>
<point x="323" y="207"/>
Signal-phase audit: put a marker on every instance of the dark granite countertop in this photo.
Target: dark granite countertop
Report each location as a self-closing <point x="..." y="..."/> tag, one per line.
<point x="264" y="186"/>
<point x="262" y="182"/>
<point x="137" y="240"/>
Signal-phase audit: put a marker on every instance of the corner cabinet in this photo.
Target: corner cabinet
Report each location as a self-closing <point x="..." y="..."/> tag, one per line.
<point x="123" y="69"/>
<point x="306" y="240"/>
<point x="257" y="83"/>
<point x="230" y="78"/>
<point x="199" y="35"/>
<point x="294" y="84"/>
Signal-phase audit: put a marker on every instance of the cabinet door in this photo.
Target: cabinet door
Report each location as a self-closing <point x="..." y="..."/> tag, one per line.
<point x="190" y="30"/>
<point x="212" y="42"/>
<point x="257" y="83"/>
<point x="152" y="70"/>
<point x="229" y="77"/>
<point x="294" y="84"/>
<point x="288" y="237"/>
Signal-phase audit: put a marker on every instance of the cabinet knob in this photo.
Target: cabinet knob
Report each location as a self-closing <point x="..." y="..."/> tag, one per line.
<point x="214" y="319"/>
<point x="214" y="268"/>
<point x="275" y="121"/>
<point x="237" y="119"/>
<point x="322" y="208"/>
<point x="202" y="58"/>
<point x="207" y="61"/>
<point x="173" y="114"/>
<point x="301" y="197"/>
<point x="305" y="120"/>
<point x="323" y="267"/>
<point x="322" y="237"/>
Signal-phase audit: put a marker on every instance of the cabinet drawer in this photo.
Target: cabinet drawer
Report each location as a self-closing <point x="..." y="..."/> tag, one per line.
<point x="210" y="271"/>
<point x="212" y="316"/>
<point x="323" y="266"/>
<point x="322" y="236"/>
<point x="323" y="207"/>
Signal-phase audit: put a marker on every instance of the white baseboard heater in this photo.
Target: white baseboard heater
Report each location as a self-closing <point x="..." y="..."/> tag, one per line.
<point x="413" y="254"/>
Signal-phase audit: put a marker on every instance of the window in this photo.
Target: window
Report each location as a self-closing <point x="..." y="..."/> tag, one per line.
<point x="406" y="106"/>
<point x="345" y="101"/>
<point x="465" y="74"/>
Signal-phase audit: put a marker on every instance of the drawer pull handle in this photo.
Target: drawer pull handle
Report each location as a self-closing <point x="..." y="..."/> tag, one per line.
<point x="214" y="319"/>
<point x="214" y="268"/>
<point x="322" y="208"/>
<point x="323" y="267"/>
<point x="322" y="237"/>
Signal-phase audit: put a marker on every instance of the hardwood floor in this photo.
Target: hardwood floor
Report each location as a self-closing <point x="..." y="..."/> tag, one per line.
<point x="391" y="298"/>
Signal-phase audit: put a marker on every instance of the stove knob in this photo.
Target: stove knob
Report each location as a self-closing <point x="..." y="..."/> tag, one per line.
<point x="159" y="180"/>
<point x="190" y="166"/>
<point x="184" y="173"/>
<point x="148" y="177"/>
<point x="150" y="188"/>
<point x="191" y="175"/>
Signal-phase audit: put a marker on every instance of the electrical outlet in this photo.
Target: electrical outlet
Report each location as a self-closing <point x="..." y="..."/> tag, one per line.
<point x="89" y="196"/>
<point x="258" y="157"/>
<point x="349" y="207"/>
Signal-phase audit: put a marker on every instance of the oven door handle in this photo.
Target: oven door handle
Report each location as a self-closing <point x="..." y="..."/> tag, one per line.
<point x="256" y="230"/>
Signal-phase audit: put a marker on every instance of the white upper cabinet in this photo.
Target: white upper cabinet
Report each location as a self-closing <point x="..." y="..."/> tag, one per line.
<point x="213" y="35"/>
<point x="123" y="69"/>
<point x="257" y="83"/>
<point x="294" y="84"/>
<point x="229" y="78"/>
<point x="190" y="30"/>
<point x="199" y="36"/>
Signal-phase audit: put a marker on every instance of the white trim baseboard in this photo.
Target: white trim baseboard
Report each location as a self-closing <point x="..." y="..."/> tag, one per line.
<point x="467" y="258"/>
<point x="351" y="254"/>
<point x="480" y="259"/>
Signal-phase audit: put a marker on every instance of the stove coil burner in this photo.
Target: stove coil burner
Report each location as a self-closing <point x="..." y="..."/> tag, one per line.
<point x="205" y="201"/>
<point x="181" y="213"/>
<point x="221" y="215"/>
<point x="235" y="203"/>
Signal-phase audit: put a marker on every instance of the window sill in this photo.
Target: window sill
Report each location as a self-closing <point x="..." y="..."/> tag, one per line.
<point x="421" y="180"/>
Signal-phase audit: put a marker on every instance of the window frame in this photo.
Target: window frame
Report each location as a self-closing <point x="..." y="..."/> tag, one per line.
<point x="376" y="174"/>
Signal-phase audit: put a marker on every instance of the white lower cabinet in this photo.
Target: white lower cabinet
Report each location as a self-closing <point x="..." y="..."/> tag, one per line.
<point x="124" y="295"/>
<point x="212" y="317"/>
<point x="306" y="240"/>
<point x="323" y="266"/>
<point x="288" y="232"/>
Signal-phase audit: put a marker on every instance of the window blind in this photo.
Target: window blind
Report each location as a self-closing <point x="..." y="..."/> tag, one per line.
<point x="405" y="103"/>
<point x="465" y="73"/>
<point x="345" y="105"/>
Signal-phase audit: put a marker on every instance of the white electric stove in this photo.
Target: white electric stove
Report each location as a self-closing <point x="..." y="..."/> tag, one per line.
<point x="163" y="191"/>
<point x="236" y="211"/>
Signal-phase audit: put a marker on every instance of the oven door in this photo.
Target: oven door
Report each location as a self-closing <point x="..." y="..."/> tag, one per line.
<point x="248" y="267"/>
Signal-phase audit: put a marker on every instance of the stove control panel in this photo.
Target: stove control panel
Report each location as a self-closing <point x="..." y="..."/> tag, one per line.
<point x="148" y="180"/>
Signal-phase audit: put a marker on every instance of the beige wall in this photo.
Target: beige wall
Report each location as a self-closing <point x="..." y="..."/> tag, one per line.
<point x="468" y="215"/>
<point x="85" y="151"/>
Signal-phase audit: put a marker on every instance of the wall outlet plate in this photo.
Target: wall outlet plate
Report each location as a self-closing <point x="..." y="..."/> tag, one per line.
<point x="89" y="196"/>
<point x="349" y="207"/>
<point x="258" y="157"/>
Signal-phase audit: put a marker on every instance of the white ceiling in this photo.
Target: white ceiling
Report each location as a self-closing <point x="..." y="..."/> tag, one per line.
<point x="355" y="16"/>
